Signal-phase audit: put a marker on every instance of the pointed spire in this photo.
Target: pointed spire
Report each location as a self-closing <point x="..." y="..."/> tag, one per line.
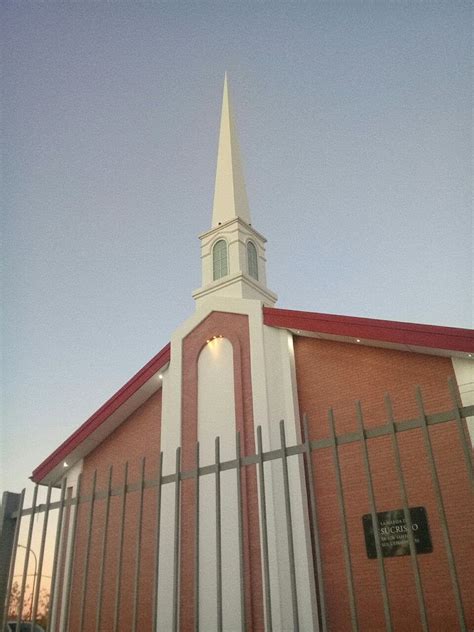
<point x="230" y="196"/>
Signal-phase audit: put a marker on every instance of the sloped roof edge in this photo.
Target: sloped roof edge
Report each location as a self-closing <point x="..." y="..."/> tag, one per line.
<point x="103" y="413"/>
<point x="413" y="334"/>
<point x="431" y="336"/>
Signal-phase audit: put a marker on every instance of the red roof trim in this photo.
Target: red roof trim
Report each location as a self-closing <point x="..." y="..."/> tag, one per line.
<point x="104" y="412"/>
<point x="432" y="336"/>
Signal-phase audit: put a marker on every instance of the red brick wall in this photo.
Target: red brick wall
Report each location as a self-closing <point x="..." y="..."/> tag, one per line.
<point x="333" y="374"/>
<point x="137" y="437"/>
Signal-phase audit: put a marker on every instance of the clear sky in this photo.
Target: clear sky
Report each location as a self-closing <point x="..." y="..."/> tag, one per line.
<point x="355" y="132"/>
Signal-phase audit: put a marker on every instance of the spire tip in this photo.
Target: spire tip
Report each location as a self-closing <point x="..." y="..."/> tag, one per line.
<point x="230" y="196"/>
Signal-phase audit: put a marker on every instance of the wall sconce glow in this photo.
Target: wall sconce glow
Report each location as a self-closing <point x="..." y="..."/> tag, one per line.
<point x="358" y="340"/>
<point x="65" y="464"/>
<point x="216" y="337"/>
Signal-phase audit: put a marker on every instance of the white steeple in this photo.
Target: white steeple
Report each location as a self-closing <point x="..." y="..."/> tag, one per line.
<point x="232" y="251"/>
<point x="230" y="196"/>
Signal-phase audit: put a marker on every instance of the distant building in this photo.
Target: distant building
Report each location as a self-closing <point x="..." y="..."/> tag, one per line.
<point x="239" y="362"/>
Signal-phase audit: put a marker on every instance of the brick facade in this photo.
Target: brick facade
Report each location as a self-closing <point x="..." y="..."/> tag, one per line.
<point x="334" y="374"/>
<point x="135" y="438"/>
<point x="329" y="374"/>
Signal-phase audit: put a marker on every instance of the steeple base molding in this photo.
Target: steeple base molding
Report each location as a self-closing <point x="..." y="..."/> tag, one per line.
<point x="236" y="285"/>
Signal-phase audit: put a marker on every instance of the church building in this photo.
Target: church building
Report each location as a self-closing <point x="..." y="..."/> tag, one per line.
<point x="239" y="363"/>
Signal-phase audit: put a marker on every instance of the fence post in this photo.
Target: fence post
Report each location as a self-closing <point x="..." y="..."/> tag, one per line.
<point x="10" y="504"/>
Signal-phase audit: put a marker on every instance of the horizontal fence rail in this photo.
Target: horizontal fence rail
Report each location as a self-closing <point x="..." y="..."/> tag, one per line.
<point x="66" y="563"/>
<point x="271" y="455"/>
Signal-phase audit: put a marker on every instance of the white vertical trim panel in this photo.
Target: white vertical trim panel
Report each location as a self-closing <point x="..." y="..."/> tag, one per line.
<point x="464" y="371"/>
<point x="72" y="479"/>
<point x="216" y="417"/>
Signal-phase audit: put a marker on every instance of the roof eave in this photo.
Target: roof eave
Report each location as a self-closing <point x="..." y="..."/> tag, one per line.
<point x="412" y="335"/>
<point x="133" y="393"/>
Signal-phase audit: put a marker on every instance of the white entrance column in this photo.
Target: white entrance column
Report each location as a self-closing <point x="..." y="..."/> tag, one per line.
<point x="274" y="398"/>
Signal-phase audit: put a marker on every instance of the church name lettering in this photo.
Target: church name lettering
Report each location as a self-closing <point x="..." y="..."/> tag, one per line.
<point x="393" y="532"/>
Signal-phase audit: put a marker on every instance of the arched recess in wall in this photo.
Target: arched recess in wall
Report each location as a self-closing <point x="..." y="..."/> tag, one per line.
<point x="252" y="260"/>
<point x="220" y="263"/>
<point x="216" y="417"/>
<point x="216" y="399"/>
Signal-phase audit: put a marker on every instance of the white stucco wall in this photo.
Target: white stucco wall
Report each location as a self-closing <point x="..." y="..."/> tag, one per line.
<point x="283" y="404"/>
<point x="72" y="478"/>
<point x="464" y="371"/>
<point x="170" y="440"/>
<point x="216" y="418"/>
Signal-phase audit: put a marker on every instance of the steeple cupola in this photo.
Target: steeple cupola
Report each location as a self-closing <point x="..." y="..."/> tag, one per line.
<point x="232" y="251"/>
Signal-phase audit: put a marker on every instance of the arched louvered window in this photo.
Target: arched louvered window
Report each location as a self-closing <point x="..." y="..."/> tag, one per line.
<point x="252" y="260"/>
<point x="219" y="259"/>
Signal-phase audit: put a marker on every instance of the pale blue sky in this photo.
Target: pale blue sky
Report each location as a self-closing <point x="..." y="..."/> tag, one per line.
<point x="355" y="131"/>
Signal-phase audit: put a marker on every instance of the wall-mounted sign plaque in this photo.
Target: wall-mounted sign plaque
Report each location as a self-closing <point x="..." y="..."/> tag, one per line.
<point x="393" y="532"/>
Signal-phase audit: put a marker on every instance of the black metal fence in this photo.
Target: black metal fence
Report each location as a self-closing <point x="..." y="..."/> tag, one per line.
<point x="13" y="514"/>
